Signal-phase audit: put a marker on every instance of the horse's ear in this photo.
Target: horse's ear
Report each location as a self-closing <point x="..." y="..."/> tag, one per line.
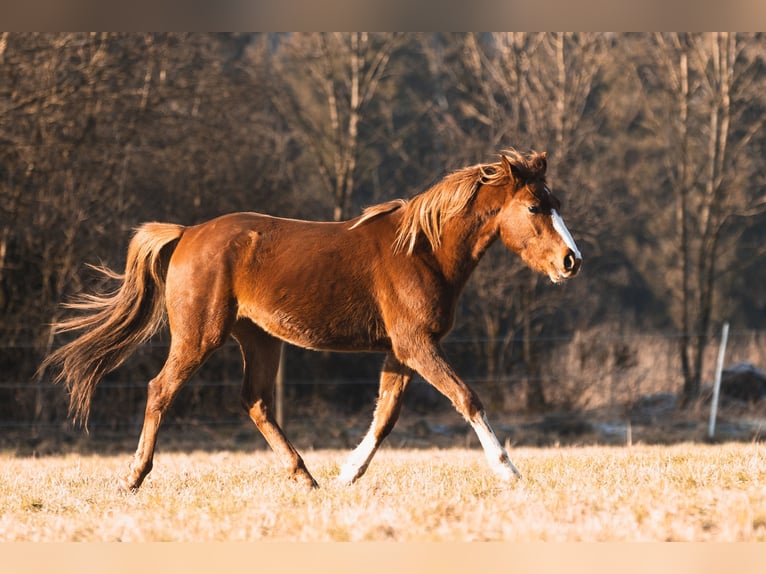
<point x="540" y="163"/>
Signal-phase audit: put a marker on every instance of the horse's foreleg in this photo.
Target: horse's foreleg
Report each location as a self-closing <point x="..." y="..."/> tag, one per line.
<point x="393" y="382"/>
<point x="260" y="353"/>
<point x="429" y="361"/>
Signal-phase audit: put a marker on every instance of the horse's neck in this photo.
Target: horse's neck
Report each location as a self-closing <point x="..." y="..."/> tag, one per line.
<point x="464" y="242"/>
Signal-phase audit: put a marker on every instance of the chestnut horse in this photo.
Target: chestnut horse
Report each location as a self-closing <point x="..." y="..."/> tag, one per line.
<point x="387" y="281"/>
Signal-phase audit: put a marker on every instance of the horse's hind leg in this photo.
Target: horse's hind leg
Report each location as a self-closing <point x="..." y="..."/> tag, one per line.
<point x="183" y="360"/>
<point x="393" y="383"/>
<point x="260" y="353"/>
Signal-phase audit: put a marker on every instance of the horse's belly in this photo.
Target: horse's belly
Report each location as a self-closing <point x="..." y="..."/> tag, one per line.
<point x="331" y="331"/>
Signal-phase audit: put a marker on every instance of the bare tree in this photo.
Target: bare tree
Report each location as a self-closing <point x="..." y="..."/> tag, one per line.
<point x="655" y="145"/>
<point x="56" y="180"/>
<point x="703" y="93"/>
<point x="100" y="132"/>
<point x="328" y="81"/>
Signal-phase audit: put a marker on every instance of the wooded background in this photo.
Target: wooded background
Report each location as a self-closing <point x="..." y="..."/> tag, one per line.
<point x="655" y="143"/>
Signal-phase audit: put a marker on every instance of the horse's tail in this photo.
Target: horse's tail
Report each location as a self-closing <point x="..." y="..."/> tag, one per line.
<point x="116" y="322"/>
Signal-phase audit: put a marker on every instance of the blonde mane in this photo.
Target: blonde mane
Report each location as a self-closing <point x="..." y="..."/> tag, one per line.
<point x="427" y="212"/>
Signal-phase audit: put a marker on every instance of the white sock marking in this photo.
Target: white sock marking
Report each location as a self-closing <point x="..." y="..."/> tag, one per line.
<point x="498" y="459"/>
<point x="358" y="460"/>
<point x="560" y="226"/>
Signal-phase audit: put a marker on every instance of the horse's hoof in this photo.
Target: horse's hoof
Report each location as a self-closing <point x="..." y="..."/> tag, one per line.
<point x="310" y="483"/>
<point x="124" y="487"/>
<point x="305" y="479"/>
<point x="347" y="477"/>
<point x="129" y="485"/>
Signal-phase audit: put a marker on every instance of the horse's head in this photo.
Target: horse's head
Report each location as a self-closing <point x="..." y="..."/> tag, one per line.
<point x="530" y="223"/>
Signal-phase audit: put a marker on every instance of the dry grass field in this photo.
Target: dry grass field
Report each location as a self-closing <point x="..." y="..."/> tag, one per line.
<point x="689" y="492"/>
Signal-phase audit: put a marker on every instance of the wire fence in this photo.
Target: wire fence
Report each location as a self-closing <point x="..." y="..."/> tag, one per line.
<point x="585" y="370"/>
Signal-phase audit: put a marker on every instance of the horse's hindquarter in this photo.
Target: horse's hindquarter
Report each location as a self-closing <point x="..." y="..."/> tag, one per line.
<point x="309" y="283"/>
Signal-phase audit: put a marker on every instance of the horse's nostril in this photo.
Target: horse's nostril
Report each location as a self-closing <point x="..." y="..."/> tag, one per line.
<point x="569" y="262"/>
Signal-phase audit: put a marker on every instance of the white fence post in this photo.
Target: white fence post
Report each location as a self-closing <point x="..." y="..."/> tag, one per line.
<point x="717" y="383"/>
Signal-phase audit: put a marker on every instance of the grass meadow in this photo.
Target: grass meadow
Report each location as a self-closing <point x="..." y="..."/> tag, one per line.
<point x="683" y="492"/>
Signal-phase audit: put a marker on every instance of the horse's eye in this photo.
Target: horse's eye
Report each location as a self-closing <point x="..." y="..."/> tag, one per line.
<point x="534" y="209"/>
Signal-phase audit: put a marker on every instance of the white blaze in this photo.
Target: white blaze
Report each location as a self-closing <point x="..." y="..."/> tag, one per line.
<point x="561" y="228"/>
